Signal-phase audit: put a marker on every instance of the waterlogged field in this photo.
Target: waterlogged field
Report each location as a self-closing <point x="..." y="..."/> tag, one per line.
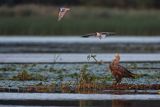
<point x="77" y="77"/>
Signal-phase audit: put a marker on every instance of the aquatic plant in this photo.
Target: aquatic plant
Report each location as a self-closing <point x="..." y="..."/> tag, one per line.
<point x="134" y="66"/>
<point x="41" y="88"/>
<point x="38" y="77"/>
<point x="79" y="78"/>
<point x="66" y="87"/>
<point x="24" y="75"/>
<point x="1" y="77"/>
<point x="94" y="58"/>
<point x="86" y="81"/>
<point x="8" y="67"/>
<point x="85" y="76"/>
<point x="55" y="58"/>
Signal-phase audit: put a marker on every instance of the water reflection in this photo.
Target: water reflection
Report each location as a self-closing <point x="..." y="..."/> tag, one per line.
<point x="113" y="103"/>
<point x="120" y="103"/>
<point x="84" y="103"/>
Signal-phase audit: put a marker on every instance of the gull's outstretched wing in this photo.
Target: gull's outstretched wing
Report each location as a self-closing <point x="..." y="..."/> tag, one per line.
<point x="108" y="33"/>
<point x="88" y="35"/>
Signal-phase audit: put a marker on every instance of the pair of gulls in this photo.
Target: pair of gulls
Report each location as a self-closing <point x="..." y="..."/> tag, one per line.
<point x="100" y="35"/>
<point x="117" y="70"/>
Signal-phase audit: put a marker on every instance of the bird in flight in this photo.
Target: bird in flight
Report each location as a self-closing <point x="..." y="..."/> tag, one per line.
<point x="62" y="12"/>
<point x="99" y="35"/>
<point x="119" y="72"/>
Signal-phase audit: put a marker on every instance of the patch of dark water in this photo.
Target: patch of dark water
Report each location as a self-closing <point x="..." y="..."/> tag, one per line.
<point x="81" y="103"/>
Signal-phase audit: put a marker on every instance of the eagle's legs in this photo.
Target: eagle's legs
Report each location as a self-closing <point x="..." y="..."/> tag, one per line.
<point x="117" y="80"/>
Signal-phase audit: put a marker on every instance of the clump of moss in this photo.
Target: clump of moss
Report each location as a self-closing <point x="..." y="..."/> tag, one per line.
<point x="85" y="76"/>
<point x="8" y="68"/>
<point x="66" y="88"/>
<point x="24" y="75"/>
<point x="41" y="88"/>
<point x="86" y="81"/>
<point x="133" y="66"/>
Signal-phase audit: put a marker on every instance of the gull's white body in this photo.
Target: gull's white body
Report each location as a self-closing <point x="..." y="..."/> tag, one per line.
<point x="100" y="35"/>
<point x="62" y="12"/>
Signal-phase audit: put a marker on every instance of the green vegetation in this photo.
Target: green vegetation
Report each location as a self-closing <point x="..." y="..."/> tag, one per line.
<point x="85" y="76"/>
<point x="41" y="20"/>
<point x="24" y="75"/>
<point x="79" y="78"/>
<point x="7" y="68"/>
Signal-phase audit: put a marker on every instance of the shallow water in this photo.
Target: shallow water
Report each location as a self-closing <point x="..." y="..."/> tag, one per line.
<point x="77" y="100"/>
<point x="75" y="57"/>
<point x="79" y="39"/>
<point x="51" y="73"/>
<point x="123" y="44"/>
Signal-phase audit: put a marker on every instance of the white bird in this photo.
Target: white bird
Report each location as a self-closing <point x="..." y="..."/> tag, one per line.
<point x="100" y="35"/>
<point x="62" y="12"/>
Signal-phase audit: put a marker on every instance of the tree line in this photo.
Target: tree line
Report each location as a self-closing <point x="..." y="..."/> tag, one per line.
<point x="107" y="3"/>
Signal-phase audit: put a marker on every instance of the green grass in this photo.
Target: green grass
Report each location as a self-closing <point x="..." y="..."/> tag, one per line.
<point x="79" y="22"/>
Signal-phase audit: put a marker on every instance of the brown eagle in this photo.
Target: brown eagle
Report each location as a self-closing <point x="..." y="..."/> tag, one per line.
<point x="118" y="71"/>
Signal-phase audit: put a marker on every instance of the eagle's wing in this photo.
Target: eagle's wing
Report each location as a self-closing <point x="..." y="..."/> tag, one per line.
<point x="125" y="72"/>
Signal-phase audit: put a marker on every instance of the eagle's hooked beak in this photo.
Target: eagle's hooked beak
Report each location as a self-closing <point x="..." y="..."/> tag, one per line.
<point x="117" y="58"/>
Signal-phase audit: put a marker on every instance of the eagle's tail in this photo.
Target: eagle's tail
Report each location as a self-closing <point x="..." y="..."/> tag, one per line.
<point x="137" y="75"/>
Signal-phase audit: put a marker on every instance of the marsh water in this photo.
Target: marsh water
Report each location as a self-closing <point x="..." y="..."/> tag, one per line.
<point x="45" y="74"/>
<point x="82" y="103"/>
<point x="21" y="73"/>
<point x="77" y="44"/>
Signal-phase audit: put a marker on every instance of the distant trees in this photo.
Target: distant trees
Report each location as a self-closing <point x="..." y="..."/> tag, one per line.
<point x="124" y="3"/>
<point x="108" y="3"/>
